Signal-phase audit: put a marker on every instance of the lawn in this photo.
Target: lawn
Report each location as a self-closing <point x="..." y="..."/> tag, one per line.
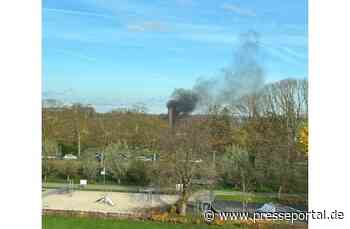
<point x="56" y="222"/>
<point x="260" y="198"/>
<point x="248" y="198"/>
<point x="60" y="222"/>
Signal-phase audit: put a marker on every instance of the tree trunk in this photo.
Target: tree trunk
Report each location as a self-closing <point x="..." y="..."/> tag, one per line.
<point x="244" y="205"/>
<point x="280" y="192"/>
<point x="182" y="203"/>
<point x="182" y="207"/>
<point x="243" y="182"/>
<point x="214" y="158"/>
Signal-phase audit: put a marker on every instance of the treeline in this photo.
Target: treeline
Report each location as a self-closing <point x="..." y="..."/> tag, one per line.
<point x="257" y="143"/>
<point x="77" y="128"/>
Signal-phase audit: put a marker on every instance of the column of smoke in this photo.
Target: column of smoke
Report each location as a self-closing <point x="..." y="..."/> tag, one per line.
<point x="245" y="76"/>
<point x="182" y="102"/>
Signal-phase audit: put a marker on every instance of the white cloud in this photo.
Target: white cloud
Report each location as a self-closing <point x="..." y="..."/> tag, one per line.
<point x="238" y="10"/>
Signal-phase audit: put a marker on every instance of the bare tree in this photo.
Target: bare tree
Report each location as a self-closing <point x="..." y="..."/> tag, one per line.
<point x="286" y="103"/>
<point x="185" y="154"/>
<point x="237" y="162"/>
<point x="80" y="114"/>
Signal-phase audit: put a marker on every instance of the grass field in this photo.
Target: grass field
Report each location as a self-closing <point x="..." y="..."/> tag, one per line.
<point x="55" y="222"/>
<point x="59" y="222"/>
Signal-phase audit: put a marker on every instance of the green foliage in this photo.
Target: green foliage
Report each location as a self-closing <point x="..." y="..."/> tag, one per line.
<point x="89" y="166"/>
<point x="50" y="147"/>
<point x="237" y="165"/>
<point x="68" y="148"/>
<point x="117" y="160"/>
<point x="139" y="173"/>
<point x="64" y="168"/>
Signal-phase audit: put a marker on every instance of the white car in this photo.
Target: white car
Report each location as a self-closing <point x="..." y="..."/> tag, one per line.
<point x="70" y="157"/>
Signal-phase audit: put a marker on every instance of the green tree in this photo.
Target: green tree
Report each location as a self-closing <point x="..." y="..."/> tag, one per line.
<point x="89" y="165"/>
<point x="117" y="157"/>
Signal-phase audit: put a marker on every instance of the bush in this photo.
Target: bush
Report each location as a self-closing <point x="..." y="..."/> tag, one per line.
<point x="264" y="188"/>
<point x="138" y="173"/>
<point x="61" y="169"/>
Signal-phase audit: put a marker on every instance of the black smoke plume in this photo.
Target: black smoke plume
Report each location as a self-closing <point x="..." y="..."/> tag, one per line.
<point x="184" y="101"/>
<point x="243" y="77"/>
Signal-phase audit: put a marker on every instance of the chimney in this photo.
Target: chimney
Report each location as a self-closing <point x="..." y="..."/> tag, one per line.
<point x="171" y="115"/>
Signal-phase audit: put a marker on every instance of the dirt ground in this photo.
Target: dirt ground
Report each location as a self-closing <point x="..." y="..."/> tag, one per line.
<point x="123" y="202"/>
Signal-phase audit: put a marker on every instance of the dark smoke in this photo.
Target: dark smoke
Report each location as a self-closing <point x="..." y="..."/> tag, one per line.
<point x="183" y="100"/>
<point x="243" y="77"/>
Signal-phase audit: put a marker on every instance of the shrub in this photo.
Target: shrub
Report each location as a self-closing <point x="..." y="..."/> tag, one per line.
<point x="61" y="169"/>
<point x="138" y="173"/>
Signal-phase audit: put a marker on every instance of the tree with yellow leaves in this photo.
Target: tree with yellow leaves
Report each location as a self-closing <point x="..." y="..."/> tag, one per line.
<point x="303" y="138"/>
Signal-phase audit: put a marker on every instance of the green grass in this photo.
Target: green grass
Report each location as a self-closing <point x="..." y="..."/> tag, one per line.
<point x="58" y="222"/>
<point x="248" y="198"/>
<point x="260" y="197"/>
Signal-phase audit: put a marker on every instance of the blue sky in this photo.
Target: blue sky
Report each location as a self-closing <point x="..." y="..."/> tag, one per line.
<point x="114" y="53"/>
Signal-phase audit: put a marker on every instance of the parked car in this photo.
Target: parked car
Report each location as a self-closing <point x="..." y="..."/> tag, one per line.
<point x="49" y="157"/>
<point x="143" y="158"/>
<point x="70" y="157"/>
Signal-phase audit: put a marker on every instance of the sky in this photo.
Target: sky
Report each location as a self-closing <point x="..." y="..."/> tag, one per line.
<point x="118" y="53"/>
